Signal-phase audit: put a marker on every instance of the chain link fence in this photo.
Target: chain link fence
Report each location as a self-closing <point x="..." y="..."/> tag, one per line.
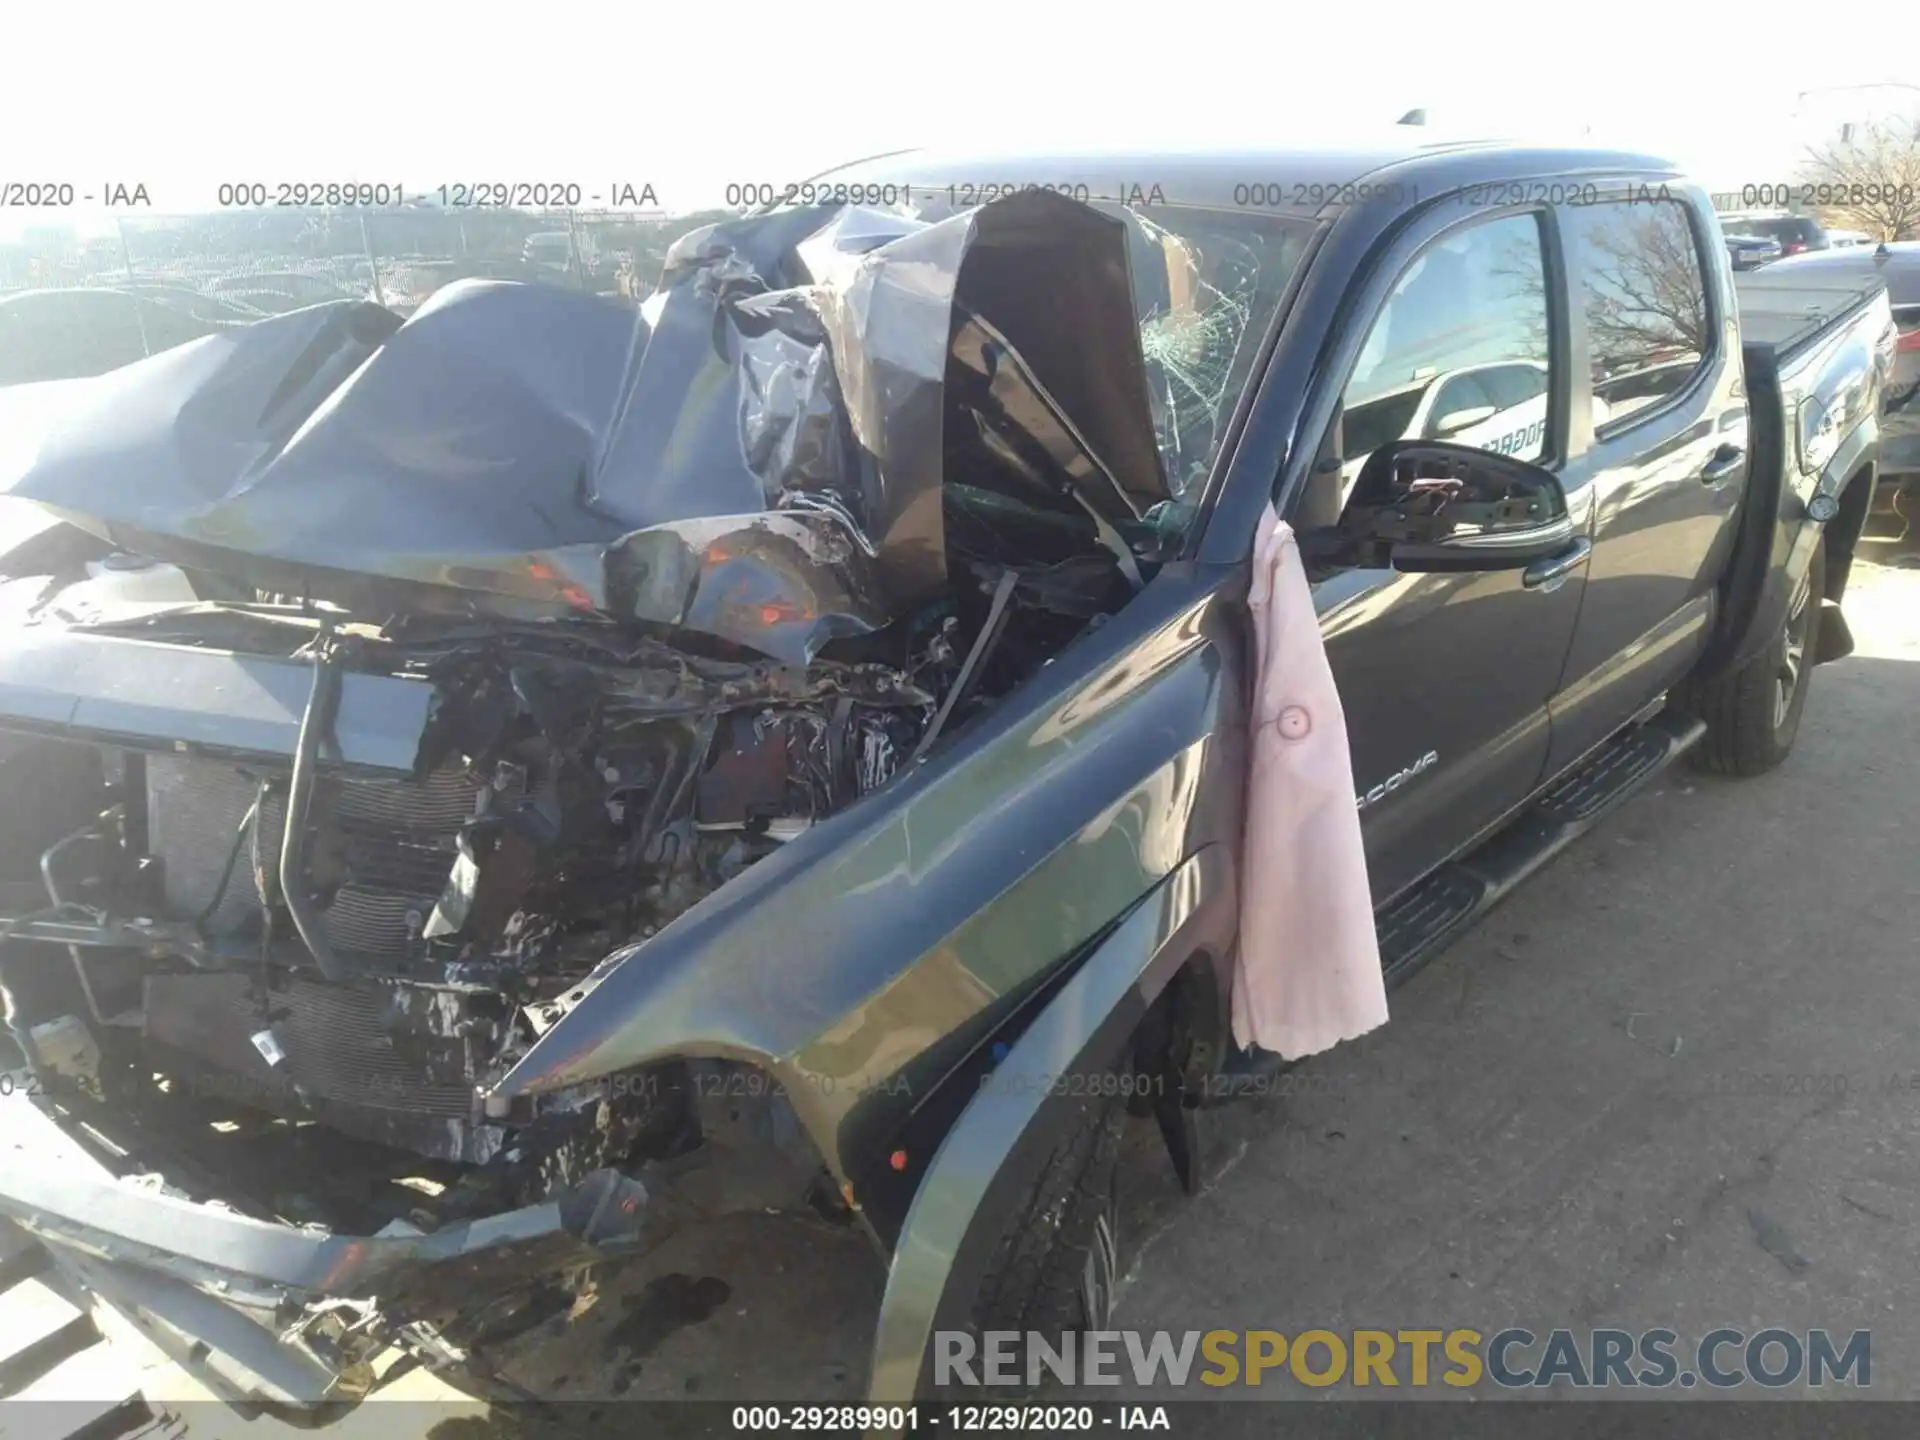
<point x="80" y="298"/>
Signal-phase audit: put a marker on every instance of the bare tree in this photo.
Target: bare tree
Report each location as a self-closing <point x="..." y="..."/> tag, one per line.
<point x="1646" y="301"/>
<point x="1868" y="178"/>
<point x="1645" y="295"/>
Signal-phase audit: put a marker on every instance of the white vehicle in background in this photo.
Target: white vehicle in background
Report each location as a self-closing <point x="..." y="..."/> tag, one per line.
<point x="1631" y="389"/>
<point x="1840" y="239"/>
<point x="559" y="250"/>
<point x="1500" y="406"/>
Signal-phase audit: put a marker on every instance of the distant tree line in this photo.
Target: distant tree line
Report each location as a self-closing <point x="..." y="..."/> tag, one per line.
<point x="1869" y="177"/>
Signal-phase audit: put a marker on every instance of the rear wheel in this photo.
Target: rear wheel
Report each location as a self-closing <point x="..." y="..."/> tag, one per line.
<point x="1753" y="713"/>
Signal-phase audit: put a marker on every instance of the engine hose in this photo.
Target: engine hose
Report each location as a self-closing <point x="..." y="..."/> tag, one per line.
<point x="248" y="824"/>
<point x="315" y="722"/>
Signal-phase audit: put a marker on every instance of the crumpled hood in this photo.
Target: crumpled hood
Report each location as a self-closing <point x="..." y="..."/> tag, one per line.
<point x="758" y="454"/>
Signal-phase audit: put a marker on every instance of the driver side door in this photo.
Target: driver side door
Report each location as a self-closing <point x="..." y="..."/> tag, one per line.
<point x="1444" y="677"/>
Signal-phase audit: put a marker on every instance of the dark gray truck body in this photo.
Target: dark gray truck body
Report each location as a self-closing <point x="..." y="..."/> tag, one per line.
<point x="1820" y="362"/>
<point x="1804" y="286"/>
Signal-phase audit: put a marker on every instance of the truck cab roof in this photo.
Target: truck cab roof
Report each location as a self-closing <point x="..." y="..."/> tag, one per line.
<point x="1298" y="180"/>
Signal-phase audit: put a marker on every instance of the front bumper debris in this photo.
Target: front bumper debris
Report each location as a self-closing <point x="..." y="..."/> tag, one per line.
<point x="274" y="1313"/>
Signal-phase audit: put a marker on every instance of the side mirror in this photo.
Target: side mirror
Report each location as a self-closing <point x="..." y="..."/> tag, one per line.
<point x="1454" y="421"/>
<point x="1429" y="505"/>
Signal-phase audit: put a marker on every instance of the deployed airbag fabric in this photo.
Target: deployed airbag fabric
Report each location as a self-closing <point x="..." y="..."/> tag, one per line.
<point x="1308" y="974"/>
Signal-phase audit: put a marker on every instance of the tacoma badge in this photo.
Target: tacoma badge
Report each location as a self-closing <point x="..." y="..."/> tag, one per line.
<point x="1394" y="781"/>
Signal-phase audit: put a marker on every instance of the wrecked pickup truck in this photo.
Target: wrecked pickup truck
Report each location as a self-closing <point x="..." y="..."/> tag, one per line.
<point x="547" y="774"/>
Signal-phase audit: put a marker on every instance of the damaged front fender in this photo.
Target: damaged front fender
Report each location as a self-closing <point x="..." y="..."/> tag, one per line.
<point x="861" y="963"/>
<point x="968" y="1195"/>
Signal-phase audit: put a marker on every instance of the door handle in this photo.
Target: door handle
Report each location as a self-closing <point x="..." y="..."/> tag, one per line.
<point x="1727" y="462"/>
<point x="1557" y="567"/>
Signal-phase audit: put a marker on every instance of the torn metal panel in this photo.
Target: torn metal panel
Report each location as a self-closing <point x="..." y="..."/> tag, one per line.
<point x="174" y="697"/>
<point x="758" y="454"/>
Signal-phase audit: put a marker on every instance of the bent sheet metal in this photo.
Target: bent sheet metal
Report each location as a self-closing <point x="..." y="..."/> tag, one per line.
<point x="757" y="454"/>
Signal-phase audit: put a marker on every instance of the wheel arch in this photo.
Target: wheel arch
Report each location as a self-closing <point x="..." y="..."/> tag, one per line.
<point x="1842" y="534"/>
<point x="1022" y="1101"/>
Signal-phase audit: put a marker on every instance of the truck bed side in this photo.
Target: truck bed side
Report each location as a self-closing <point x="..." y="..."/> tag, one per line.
<point x="1815" y="357"/>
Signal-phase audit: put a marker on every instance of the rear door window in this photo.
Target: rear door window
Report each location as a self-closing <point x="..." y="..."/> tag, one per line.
<point x="1649" y="328"/>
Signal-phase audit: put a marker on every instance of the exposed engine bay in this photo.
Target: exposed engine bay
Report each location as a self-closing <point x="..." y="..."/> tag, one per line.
<point x="331" y="934"/>
<point x="354" y="752"/>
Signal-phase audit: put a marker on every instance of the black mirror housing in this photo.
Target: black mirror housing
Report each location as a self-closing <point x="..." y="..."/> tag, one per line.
<point x="1434" y="505"/>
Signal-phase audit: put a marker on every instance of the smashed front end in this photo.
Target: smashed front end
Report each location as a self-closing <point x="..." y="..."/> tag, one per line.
<point x="335" y="885"/>
<point x="380" y="681"/>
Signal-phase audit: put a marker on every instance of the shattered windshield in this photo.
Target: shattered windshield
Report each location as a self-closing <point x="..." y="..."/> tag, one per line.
<point x="1206" y="286"/>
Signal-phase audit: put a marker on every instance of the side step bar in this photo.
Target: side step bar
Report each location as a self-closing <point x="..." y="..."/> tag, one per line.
<point x="1422" y="923"/>
<point x="1477" y="882"/>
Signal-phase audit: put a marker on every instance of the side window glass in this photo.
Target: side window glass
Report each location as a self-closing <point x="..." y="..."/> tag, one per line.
<point x="1453" y="402"/>
<point x="1646" y="302"/>
<point x="1515" y="384"/>
<point x="1459" y="352"/>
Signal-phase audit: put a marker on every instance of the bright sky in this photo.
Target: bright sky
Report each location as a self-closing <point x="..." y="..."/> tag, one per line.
<point x="689" y="97"/>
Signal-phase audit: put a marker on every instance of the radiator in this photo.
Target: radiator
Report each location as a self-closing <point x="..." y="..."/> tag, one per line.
<point x="388" y="845"/>
<point x="350" y="1044"/>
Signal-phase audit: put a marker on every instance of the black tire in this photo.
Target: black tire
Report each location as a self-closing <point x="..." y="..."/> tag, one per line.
<point x="1753" y="713"/>
<point x="1055" y="1267"/>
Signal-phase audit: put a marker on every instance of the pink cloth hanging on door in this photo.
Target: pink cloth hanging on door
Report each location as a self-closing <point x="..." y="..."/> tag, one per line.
<point x="1308" y="971"/>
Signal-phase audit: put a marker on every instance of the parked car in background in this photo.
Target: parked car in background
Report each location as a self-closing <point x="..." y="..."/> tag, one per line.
<point x="557" y="249"/>
<point x="407" y="287"/>
<point x="263" y="302"/>
<point x="1795" y="233"/>
<point x="307" y="289"/>
<point x="70" y="334"/>
<point x="215" y="309"/>
<point x="1845" y="239"/>
<point x="1749" y="252"/>
<point x="277" y="291"/>
<point x="1897" y="265"/>
<point x="577" y="256"/>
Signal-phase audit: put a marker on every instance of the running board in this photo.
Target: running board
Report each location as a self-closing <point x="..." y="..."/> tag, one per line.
<point x="1423" y="922"/>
